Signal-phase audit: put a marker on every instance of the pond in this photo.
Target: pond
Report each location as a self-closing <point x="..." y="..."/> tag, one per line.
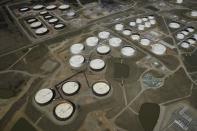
<point x="148" y="115"/>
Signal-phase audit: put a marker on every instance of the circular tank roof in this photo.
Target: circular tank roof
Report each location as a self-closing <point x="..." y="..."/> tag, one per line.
<point x="97" y="64"/>
<point x="132" y="23"/>
<point x="153" y="22"/>
<point x="151" y="17"/>
<point x="59" y="26"/>
<point x="191" y="41"/>
<point x="145" y="19"/>
<point x="158" y="49"/>
<point x="190" y="29"/>
<point x="127" y="51"/>
<point x="126" y="32"/>
<point x="41" y="31"/>
<point x="135" y="36"/>
<point x="77" y="48"/>
<point x="138" y="20"/>
<point x="195" y="36"/>
<point x="147" y="24"/>
<point x="185" y="32"/>
<point x="101" y="88"/>
<point x="119" y="27"/>
<point x="179" y="1"/>
<point x="53" y="20"/>
<point x="31" y="20"/>
<point x="64" y="110"/>
<point x="180" y="36"/>
<point x="174" y="25"/>
<point x="194" y="13"/>
<point x="141" y="27"/>
<point x="70" y="87"/>
<point x="92" y="41"/>
<point x="48" y="17"/>
<point x="36" y="24"/>
<point x="103" y="49"/>
<point x="43" y="12"/>
<point x="24" y="9"/>
<point x="115" y="42"/>
<point x="70" y="14"/>
<point x="64" y="7"/>
<point x="76" y="61"/>
<point x="103" y="35"/>
<point x="44" y="96"/>
<point x="51" y="7"/>
<point x="38" y="7"/>
<point x="145" y="42"/>
<point x="185" y="45"/>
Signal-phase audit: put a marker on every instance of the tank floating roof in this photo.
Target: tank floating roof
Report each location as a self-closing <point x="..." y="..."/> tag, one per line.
<point x="70" y="87"/>
<point x="103" y="49"/>
<point x="59" y="26"/>
<point x="43" y="12"/>
<point x="97" y="64"/>
<point x="194" y="13"/>
<point x="104" y="35"/>
<point x="185" y="45"/>
<point x="141" y="27"/>
<point x="64" y="7"/>
<point x="135" y="37"/>
<point x="70" y="14"/>
<point x="41" y="31"/>
<point x="38" y="7"/>
<point x="153" y="22"/>
<point x="180" y="36"/>
<point x="36" y="24"/>
<point x="115" y="42"/>
<point x="126" y="32"/>
<point x="190" y="29"/>
<point x="77" y="48"/>
<point x="174" y="25"/>
<point x="76" y="61"/>
<point x="31" y="20"/>
<point x="53" y="20"/>
<point x="44" y="96"/>
<point x="92" y="41"/>
<point x="119" y="27"/>
<point x="145" y="42"/>
<point x="24" y="9"/>
<point x="47" y="17"/>
<point x="179" y="1"/>
<point x="127" y="51"/>
<point x="51" y="7"/>
<point x="64" y="111"/>
<point x="191" y="41"/>
<point x="101" y="88"/>
<point x="158" y="49"/>
<point x="132" y="23"/>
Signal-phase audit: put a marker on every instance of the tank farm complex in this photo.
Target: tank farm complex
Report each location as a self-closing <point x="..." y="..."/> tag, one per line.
<point x="98" y="65"/>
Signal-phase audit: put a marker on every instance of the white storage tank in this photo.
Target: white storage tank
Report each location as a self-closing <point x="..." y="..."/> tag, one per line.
<point x="128" y="51"/>
<point x="44" y="96"/>
<point x="97" y="64"/>
<point x="115" y="42"/>
<point x="76" y="61"/>
<point x="77" y="48"/>
<point x="64" y="110"/>
<point x="158" y="49"/>
<point x="104" y="35"/>
<point x="101" y="88"/>
<point x="92" y="41"/>
<point x="71" y="87"/>
<point x="103" y="49"/>
<point x="41" y="31"/>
